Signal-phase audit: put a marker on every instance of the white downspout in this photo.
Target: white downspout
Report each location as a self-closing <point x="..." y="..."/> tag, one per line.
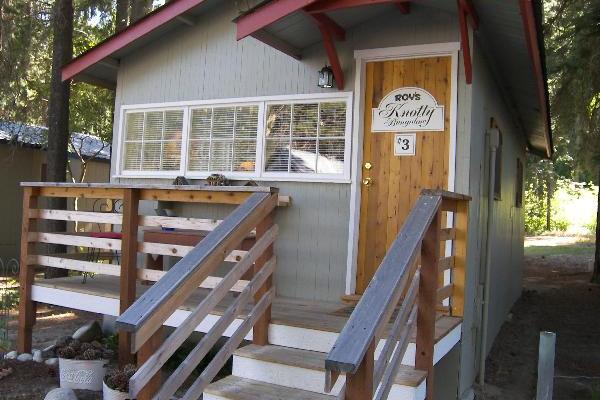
<point x="494" y="136"/>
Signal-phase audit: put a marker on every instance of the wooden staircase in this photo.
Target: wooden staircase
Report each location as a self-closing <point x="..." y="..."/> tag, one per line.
<point x="276" y="372"/>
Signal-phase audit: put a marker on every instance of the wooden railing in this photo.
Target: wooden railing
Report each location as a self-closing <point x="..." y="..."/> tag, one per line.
<point x="407" y="291"/>
<point x="141" y="320"/>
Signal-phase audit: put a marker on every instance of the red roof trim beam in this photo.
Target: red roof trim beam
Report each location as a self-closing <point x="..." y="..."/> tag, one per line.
<point x="531" y="35"/>
<point x="135" y="31"/>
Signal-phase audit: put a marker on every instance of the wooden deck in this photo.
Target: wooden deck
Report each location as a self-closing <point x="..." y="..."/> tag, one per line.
<point x="100" y="294"/>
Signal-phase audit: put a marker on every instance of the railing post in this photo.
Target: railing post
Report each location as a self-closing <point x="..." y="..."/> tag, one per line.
<point x="129" y="246"/>
<point x="460" y="258"/>
<point x="430" y="256"/>
<point x="145" y="352"/>
<point x="27" y="307"/>
<point x="359" y="386"/>
<point x="260" y="333"/>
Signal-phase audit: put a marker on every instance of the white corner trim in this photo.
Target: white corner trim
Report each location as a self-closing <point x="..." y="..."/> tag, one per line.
<point x="392" y="53"/>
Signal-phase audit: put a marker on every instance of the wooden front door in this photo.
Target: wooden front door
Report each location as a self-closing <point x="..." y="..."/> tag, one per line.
<point x="391" y="183"/>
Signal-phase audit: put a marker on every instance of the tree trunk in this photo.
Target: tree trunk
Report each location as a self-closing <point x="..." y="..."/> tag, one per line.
<point x="139" y="8"/>
<point x="596" y="274"/>
<point x="122" y="15"/>
<point x="58" y="114"/>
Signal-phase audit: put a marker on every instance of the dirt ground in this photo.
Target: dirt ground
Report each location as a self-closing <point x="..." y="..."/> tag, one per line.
<point x="557" y="297"/>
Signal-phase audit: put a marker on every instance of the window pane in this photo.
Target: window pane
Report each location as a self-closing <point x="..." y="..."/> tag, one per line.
<point x="223" y="122"/>
<point x="221" y="155"/>
<point x="135" y="126"/>
<point x="154" y="126"/>
<point x="246" y="123"/>
<point x="304" y="156"/>
<point x="244" y="155"/>
<point x="331" y="156"/>
<point x="332" y="119"/>
<point x="277" y="155"/>
<point x="305" y="118"/>
<point x="278" y="120"/>
<point x="198" y="155"/>
<point x="201" y="123"/>
<point x="132" y="156"/>
<point x="173" y="125"/>
<point x="171" y="156"/>
<point x="151" y="156"/>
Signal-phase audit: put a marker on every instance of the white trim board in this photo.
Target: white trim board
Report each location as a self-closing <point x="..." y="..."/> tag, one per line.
<point x="391" y="53"/>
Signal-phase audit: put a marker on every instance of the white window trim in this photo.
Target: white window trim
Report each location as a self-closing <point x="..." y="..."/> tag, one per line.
<point x="258" y="174"/>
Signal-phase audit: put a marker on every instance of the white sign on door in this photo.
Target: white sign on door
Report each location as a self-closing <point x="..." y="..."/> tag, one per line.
<point x="408" y="109"/>
<point x="405" y="144"/>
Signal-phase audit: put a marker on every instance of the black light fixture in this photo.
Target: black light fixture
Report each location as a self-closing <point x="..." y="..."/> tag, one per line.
<point x="325" y="77"/>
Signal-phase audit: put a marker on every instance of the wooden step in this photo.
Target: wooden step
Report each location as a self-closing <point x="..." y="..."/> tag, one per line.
<point x="304" y="369"/>
<point x="236" y="388"/>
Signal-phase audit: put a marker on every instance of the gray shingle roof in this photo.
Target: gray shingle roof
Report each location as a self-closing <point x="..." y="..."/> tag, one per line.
<point x="37" y="136"/>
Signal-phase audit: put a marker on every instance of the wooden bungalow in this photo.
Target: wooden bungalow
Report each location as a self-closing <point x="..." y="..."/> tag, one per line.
<point x="370" y="239"/>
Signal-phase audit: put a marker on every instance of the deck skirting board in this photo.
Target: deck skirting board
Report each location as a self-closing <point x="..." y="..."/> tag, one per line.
<point x="279" y="334"/>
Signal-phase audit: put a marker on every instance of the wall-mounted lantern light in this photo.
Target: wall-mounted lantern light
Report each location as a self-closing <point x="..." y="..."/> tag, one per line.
<point x="326" y="77"/>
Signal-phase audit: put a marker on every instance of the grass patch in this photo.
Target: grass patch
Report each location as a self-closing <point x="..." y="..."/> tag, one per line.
<point x="571" y="249"/>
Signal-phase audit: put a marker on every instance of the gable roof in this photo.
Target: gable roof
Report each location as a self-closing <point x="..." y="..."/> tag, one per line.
<point x="510" y="31"/>
<point x="33" y="136"/>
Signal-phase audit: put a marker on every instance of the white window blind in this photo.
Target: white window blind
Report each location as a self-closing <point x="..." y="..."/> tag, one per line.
<point x="306" y="138"/>
<point x="223" y="139"/>
<point x="152" y="141"/>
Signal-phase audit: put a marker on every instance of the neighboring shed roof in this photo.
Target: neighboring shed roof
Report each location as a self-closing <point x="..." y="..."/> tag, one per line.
<point x="510" y="31"/>
<point x="37" y="137"/>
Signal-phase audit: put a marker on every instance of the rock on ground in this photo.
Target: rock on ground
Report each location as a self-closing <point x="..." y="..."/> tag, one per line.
<point x="25" y="357"/>
<point x="89" y="332"/>
<point x="61" y="394"/>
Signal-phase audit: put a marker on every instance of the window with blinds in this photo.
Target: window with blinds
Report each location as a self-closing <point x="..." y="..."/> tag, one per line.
<point x="223" y="139"/>
<point x="152" y="140"/>
<point x="266" y="138"/>
<point x="306" y="138"/>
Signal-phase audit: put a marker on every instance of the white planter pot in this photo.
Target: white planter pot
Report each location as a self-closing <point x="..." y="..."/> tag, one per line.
<point x="82" y="374"/>
<point x="111" y="394"/>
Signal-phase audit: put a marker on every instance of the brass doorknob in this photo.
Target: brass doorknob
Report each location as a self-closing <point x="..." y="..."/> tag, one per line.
<point x="367" y="182"/>
<point x="368" y="166"/>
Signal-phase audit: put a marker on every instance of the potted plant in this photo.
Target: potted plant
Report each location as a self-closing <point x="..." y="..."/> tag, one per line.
<point x="116" y="383"/>
<point x="82" y="365"/>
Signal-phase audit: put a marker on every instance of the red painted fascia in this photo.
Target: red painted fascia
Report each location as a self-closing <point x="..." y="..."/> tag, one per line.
<point x="531" y="35"/>
<point x="332" y="5"/>
<point x="118" y="41"/>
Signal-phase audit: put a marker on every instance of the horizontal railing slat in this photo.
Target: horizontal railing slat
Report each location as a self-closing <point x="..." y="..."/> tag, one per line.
<point x="444" y="292"/>
<point x="179" y="222"/>
<point x="352" y="343"/>
<point x="177" y="250"/>
<point x="152" y="309"/>
<point x="75" y="240"/>
<point x="79" y="216"/>
<point x="75" y="265"/>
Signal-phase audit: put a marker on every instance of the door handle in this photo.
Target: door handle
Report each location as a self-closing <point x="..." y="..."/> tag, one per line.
<point x="368" y="182"/>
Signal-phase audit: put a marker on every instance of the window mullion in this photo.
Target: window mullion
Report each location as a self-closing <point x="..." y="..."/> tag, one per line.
<point x="261" y="133"/>
<point x="233" y="138"/>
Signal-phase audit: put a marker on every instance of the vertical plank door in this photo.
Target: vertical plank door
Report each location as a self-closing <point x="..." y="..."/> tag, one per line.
<point x="396" y="181"/>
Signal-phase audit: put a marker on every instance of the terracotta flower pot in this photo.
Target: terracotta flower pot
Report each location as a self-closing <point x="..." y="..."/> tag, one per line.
<point x="111" y="394"/>
<point x="82" y="374"/>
